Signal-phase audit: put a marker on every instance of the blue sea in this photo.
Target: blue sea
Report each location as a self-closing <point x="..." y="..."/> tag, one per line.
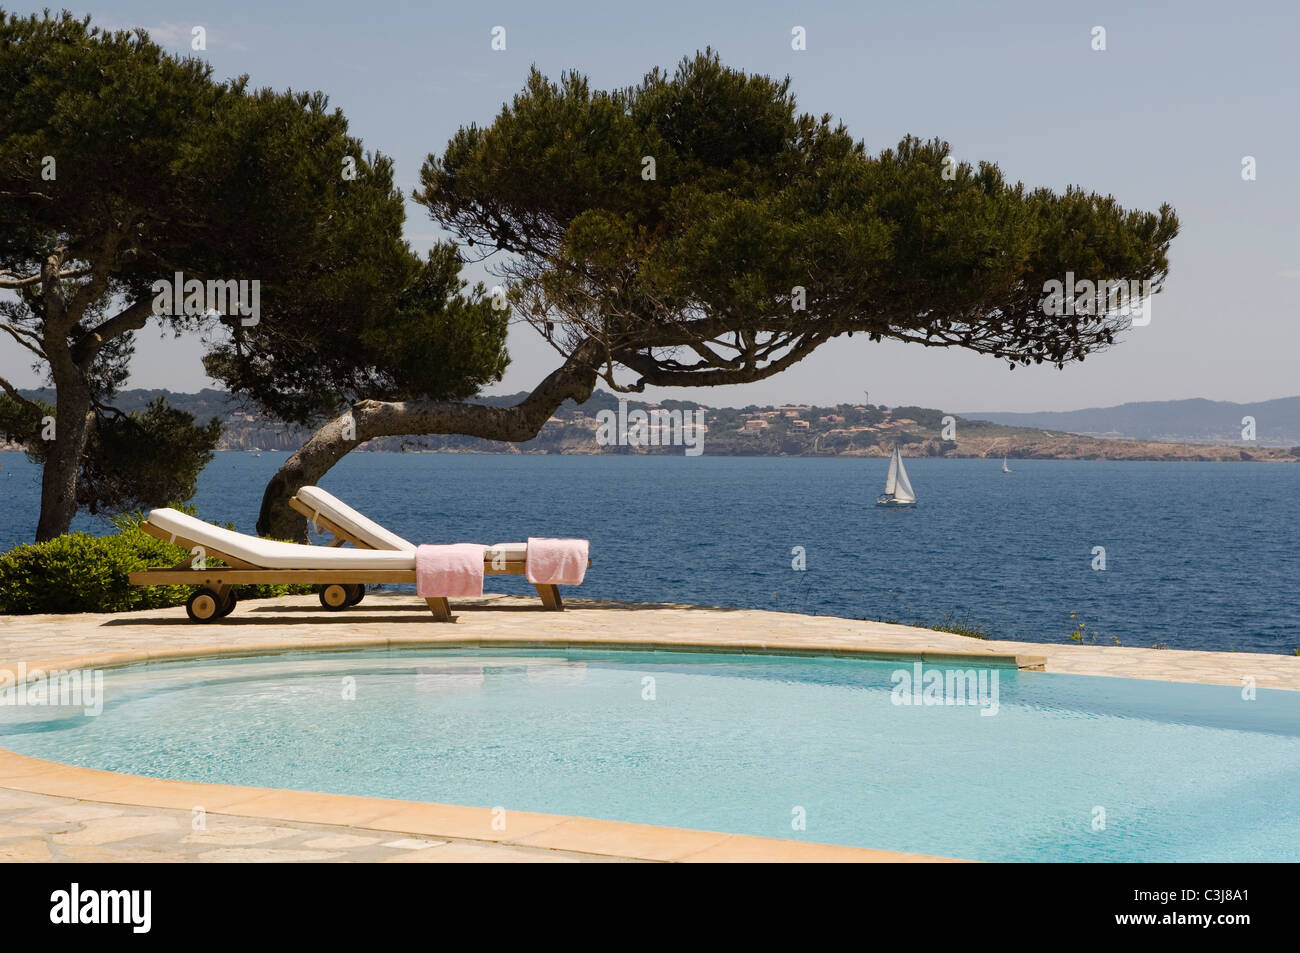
<point x="1197" y="555"/>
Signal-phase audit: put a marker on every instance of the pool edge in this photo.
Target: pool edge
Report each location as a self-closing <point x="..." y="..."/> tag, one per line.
<point x="557" y="832"/>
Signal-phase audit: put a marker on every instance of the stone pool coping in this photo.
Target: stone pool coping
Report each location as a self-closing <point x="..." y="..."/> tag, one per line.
<point x="570" y="835"/>
<point x="70" y="642"/>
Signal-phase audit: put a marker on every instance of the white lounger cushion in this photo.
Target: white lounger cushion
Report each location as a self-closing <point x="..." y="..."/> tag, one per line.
<point x="360" y="526"/>
<point x="270" y="554"/>
<point x="367" y="530"/>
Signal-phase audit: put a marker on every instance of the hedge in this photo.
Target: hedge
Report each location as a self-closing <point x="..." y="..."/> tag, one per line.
<point x="78" y="572"/>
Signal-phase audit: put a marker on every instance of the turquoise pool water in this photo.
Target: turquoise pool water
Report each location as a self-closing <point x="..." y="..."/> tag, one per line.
<point x="719" y="742"/>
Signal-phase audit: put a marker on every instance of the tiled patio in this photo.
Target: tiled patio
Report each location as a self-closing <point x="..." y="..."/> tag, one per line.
<point x="36" y="827"/>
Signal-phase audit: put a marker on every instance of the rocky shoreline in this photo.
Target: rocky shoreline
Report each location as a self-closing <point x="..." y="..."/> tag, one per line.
<point x="1014" y="447"/>
<point x="969" y="439"/>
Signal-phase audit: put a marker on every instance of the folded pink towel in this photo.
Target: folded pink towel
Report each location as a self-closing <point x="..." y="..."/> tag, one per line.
<point x="455" y="570"/>
<point x="556" y="562"/>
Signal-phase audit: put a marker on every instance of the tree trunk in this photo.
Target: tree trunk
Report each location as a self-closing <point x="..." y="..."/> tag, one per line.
<point x="368" y="419"/>
<point x="72" y="422"/>
<point x="60" y="305"/>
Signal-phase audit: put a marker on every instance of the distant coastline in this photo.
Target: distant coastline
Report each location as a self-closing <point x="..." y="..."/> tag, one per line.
<point x="849" y="430"/>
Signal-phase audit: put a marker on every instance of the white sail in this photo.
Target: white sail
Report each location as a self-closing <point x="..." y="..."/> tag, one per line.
<point x="891" y="481"/>
<point x="903" y="486"/>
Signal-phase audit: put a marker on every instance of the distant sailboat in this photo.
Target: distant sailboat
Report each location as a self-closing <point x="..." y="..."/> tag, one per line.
<point x="1005" y="468"/>
<point x="898" y="489"/>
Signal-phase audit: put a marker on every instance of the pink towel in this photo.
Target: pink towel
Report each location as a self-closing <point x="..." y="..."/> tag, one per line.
<point x="556" y="562"/>
<point x="455" y="570"/>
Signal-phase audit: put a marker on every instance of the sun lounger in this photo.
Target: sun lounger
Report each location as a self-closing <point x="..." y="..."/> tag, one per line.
<point x="342" y="573"/>
<point x="328" y="512"/>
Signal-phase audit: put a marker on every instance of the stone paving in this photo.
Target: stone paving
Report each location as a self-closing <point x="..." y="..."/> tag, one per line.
<point x="41" y="827"/>
<point x="35" y="827"/>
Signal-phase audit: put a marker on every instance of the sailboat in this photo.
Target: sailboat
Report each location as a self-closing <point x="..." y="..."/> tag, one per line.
<point x="898" y="489"/>
<point x="1005" y="468"/>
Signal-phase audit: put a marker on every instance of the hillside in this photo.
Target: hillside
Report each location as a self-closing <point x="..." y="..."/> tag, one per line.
<point x="793" y="430"/>
<point x="1277" y="422"/>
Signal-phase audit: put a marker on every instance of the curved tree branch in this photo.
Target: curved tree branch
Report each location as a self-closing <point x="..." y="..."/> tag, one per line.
<point x="28" y="339"/>
<point x="369" y="419"/>
<point x="12" y="391"/>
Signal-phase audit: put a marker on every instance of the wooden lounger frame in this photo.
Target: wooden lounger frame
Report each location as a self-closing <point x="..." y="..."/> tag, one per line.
<point x="238" y="572"/>
<point x="551" y="598"/>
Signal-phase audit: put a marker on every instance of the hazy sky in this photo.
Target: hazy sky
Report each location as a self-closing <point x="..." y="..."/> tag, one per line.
<point x="1166" y="113"/>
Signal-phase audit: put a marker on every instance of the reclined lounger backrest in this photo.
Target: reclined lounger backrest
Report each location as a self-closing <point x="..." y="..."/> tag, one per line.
<point x="359" y="525"/>
<point x="368" y="531"/>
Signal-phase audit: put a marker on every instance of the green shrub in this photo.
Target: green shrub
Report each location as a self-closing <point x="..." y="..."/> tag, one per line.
<point x="963" y="626"/>
<point x="78" y="572"/>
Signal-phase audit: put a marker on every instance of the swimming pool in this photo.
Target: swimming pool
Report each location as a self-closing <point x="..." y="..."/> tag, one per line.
<point x="998" y="766"/>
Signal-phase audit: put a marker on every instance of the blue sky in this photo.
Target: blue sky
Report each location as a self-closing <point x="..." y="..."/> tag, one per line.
<point x="1165" y="114"/>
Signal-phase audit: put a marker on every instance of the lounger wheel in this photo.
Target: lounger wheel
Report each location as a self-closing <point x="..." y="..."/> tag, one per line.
<point x="335" y="597"/>
<point x="358" y="593"/>
<point x="228" y="606"/>
<point x="204" y="606"/>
